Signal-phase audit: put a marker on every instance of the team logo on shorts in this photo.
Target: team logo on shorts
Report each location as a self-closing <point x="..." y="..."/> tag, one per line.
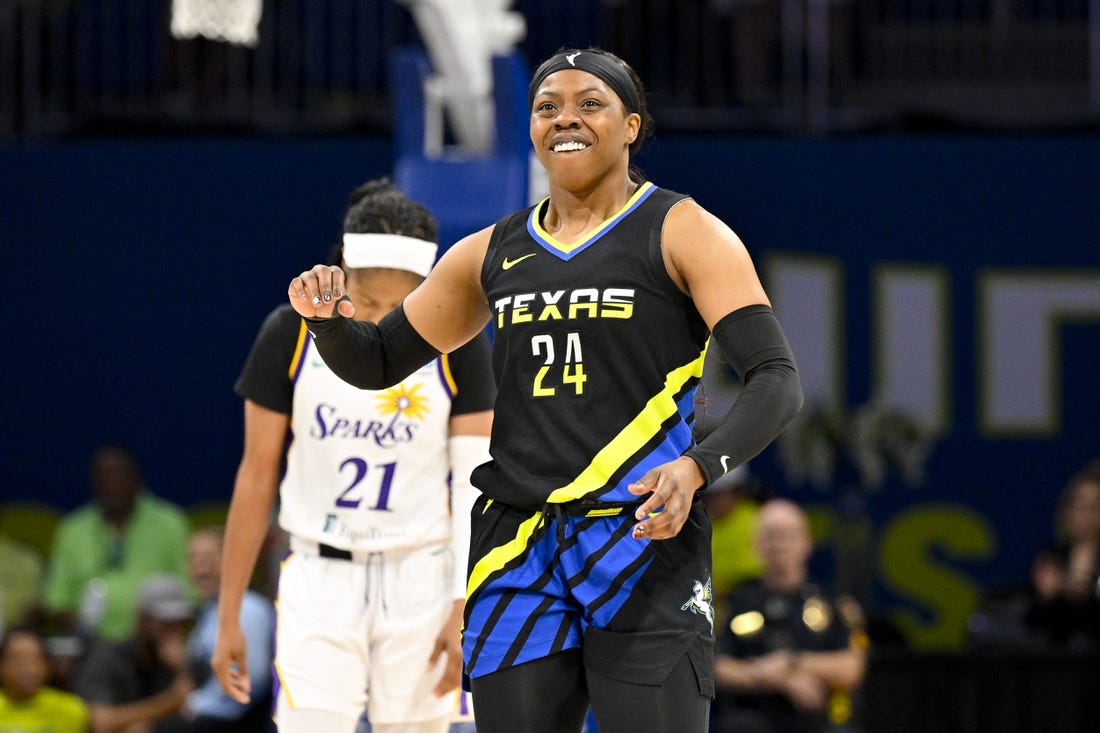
<point x="700" y="602"/>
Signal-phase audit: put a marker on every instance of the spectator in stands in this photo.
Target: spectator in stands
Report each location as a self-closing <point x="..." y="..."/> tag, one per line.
<point x="21" y="572"/>
<point x="790" y="657"/>
<point x="142" y="683"/>
<point x="1065" y="607"/>
<point x="105" y="549"/>
<point x="26" y="702"/>
<point x="209" y="709"/>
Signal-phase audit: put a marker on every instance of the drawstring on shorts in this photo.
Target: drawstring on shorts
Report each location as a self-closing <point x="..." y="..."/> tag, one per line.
<point x="583" y="508"/>
<point x="379" y="576"/>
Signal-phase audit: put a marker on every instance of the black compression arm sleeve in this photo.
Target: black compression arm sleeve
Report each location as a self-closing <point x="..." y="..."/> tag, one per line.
<point x="756" y="347"/>
<point x="371" y="356"/>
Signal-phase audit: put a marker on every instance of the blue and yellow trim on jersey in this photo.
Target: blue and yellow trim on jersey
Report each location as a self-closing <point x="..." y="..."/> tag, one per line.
<point x="638" y="432"/>
<point x="569" y="251"/>
<point x="671" y="401"/>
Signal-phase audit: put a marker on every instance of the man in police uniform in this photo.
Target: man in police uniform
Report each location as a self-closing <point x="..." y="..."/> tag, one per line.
<point x="789" y="657"/>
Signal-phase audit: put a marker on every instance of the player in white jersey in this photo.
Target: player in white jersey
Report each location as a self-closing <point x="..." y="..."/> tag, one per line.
<point x="371" y="595"/>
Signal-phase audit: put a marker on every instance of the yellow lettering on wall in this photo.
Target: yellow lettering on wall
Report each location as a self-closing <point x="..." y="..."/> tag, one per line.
<point x="909" y="569"/>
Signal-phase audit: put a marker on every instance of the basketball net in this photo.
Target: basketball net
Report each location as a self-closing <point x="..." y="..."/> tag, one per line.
<point x="231" y="21"/>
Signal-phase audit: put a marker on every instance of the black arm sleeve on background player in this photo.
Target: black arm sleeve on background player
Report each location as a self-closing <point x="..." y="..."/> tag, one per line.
<point x="756" y="347"/>
<point x="371" y="356"/>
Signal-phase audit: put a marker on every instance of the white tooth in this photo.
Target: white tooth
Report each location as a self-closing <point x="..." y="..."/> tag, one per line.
<point x="569" y="146"/>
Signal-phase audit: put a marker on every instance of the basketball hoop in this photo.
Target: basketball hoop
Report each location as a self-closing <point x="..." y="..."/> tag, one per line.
<point x="231" y="21"/>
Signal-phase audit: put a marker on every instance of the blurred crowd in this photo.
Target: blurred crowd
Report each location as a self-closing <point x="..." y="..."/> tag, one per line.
<point x="113" y="630"/>
<point x="1058" y="606"/>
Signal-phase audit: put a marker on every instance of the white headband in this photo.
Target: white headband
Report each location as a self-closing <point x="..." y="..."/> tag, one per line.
<point x="395" y="251"/>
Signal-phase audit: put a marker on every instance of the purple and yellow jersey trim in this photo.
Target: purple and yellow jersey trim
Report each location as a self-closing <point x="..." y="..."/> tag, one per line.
<point x="298" y="359"/>
<point x="443" y="364"/>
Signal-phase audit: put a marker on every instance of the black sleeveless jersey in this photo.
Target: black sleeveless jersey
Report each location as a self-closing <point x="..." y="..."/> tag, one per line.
<point x="597" y="355"/>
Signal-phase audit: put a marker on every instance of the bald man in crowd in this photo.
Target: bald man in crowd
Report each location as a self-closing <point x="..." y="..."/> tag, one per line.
<point x="790" y="656"/>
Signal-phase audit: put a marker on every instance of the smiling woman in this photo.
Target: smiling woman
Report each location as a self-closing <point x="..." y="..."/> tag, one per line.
<point x="590" y="579"/>
<point x="617" y="89"/>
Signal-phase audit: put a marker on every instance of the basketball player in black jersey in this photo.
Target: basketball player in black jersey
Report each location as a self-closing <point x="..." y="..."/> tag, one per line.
<point x="589" y="565"/>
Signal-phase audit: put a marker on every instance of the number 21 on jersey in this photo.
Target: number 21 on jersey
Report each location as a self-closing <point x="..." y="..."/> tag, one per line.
<point x="356" y="492"/>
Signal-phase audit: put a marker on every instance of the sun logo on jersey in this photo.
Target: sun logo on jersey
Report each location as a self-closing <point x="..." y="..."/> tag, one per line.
<point x="407" y="402"/>
<point x="700" y="602"/>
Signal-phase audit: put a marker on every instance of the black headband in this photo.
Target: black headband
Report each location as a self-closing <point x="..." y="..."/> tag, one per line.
<point x="607" y="69"/>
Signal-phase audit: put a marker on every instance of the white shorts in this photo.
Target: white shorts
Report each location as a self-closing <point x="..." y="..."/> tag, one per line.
<point x="357" y="634"/>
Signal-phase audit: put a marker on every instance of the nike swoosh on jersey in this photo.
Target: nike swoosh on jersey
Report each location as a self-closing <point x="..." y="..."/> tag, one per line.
<point x="509" y="264"/>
